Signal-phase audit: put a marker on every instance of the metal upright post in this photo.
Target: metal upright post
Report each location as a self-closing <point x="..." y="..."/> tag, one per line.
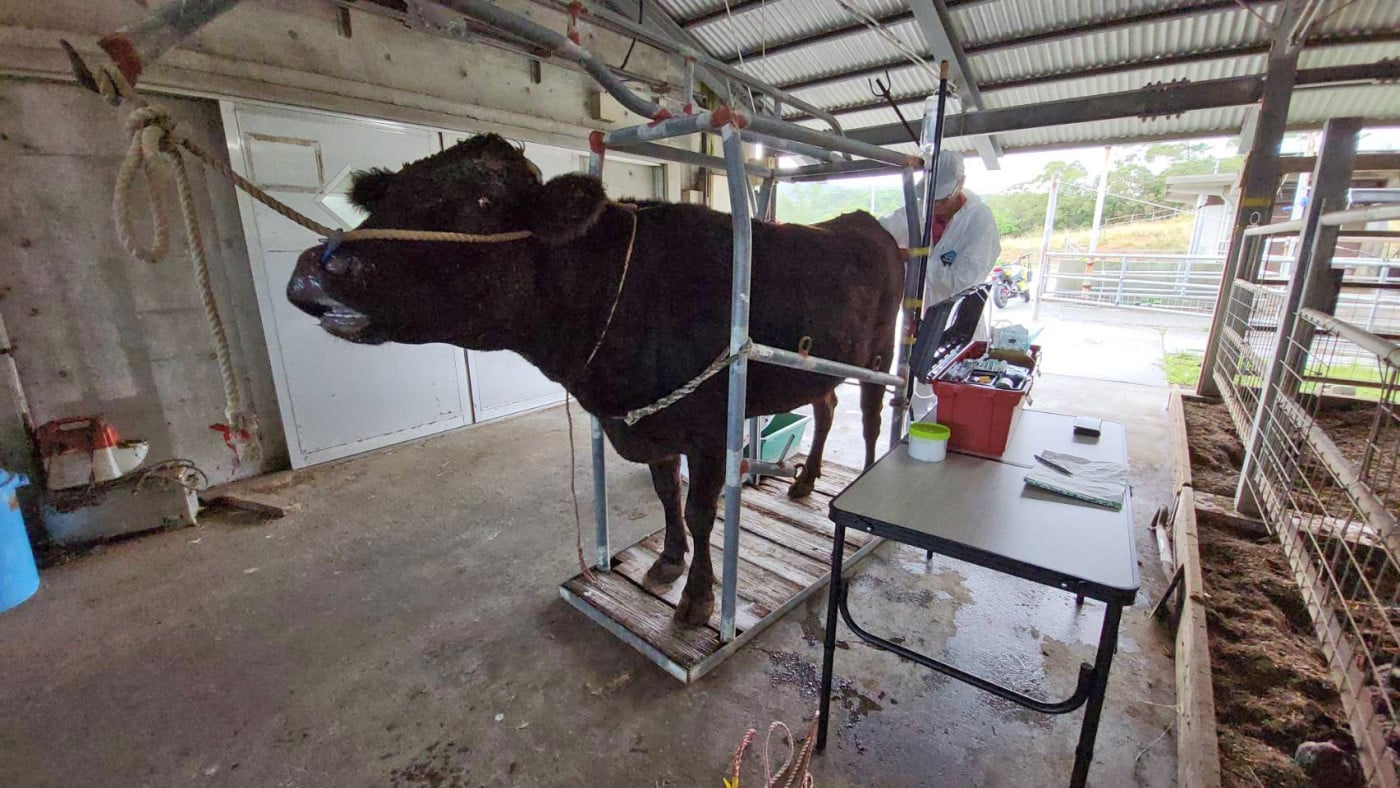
<point x="600" y="481"/>
<point x="922" y="221"/>
<point x="1043" y="275"/>
<point x="755" y="455"/>
<point x="913" y="303"/>
<point x="1258" y="181"/>
<point x="600" y="499"/>
<point x="738" y="374"/>
<point x="1312" y="281"/>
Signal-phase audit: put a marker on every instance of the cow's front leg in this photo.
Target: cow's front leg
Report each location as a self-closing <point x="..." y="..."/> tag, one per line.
<point x="706" y="482"/>
<point x="823" y="414"/>
<point x="666" y="479"/>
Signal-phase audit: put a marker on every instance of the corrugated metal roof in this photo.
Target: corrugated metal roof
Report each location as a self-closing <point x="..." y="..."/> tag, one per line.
<point x="978" y="23"/>
<point x="1121" y="45"/>
<point x="1362" y="15"/>
<point x="1053" y="63"/>
<point x="780" y="21"/>
<point x="839" y="55"/>
<point x="1378" y="102"/>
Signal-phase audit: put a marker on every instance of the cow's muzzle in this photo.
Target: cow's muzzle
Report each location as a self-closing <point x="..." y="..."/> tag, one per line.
<point x="308" y="293"/>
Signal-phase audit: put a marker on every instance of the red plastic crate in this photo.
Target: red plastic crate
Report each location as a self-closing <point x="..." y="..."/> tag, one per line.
<point x="980" y="417"/>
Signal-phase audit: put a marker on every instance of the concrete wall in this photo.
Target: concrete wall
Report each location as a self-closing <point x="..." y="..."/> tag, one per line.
<point x="95" y="332"/>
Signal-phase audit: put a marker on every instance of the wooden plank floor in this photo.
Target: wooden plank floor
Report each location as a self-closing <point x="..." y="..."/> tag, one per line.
<point x="784" y="549"/>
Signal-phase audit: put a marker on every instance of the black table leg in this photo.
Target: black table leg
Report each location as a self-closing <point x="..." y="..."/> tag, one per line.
<point x="838" y="555"/>
<point x="1108" y="644"/>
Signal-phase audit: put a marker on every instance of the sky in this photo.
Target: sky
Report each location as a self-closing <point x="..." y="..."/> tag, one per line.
<point x="1020" y="167"/>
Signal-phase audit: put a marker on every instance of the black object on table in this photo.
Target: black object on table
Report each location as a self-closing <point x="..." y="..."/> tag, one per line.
<point x="979" y="510"/>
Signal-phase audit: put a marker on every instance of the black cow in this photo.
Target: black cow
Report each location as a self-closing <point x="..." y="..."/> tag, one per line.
<point x="548" y="298"/>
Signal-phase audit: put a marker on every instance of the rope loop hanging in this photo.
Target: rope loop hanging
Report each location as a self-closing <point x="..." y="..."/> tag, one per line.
<point x="153" y="152"/>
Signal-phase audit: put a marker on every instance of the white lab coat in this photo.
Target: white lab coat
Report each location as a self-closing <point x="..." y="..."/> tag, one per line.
<point x="963" y="257"/>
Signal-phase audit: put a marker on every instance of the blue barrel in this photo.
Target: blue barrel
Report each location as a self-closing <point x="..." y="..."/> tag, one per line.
<point x="19" y="576"/>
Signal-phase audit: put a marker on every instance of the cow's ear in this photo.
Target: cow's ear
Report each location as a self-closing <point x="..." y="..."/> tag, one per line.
<point x="566" y="208"/>
<point x="368" y="188"/>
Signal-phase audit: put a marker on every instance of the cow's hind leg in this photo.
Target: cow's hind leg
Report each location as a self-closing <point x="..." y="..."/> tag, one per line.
<point x="872" y="401"/>
<point x="706" y="482"/>
<point x="666" y="479"/>
<point x="823" y="413"/>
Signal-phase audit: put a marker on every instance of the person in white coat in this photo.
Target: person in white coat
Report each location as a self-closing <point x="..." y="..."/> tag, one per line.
<point x="965" y="240"/>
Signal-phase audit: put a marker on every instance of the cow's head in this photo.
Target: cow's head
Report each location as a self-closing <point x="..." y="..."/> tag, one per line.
<point x="468" y="294"/>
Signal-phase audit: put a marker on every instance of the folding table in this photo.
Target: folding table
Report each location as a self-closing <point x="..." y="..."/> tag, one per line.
<point x="979" y="510"/>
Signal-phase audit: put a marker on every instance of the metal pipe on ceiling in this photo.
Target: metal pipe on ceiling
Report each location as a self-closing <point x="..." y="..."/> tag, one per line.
<point x="622" y="24"/>
<point x="557" y="43"/>
<point x="133" y="46"/>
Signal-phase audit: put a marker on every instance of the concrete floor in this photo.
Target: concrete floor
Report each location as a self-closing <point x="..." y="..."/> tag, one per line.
<point x="403" y="628"/>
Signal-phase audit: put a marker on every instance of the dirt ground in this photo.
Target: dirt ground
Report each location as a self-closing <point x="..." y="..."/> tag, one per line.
<point x="1216" y="451"/>
<point x="1273" y="689"/>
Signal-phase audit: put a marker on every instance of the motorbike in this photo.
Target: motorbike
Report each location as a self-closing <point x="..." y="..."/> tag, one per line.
<point x="1009" y="280"/>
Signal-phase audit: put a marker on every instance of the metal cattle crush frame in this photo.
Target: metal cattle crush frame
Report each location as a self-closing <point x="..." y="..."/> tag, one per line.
<point x="132" y="47"/>
<point x="734" y="127"/>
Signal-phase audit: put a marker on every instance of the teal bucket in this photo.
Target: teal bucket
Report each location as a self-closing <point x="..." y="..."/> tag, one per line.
<point x="19" y="575"/>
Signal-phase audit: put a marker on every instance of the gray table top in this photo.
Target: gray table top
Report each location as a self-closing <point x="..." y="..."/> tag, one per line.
<point x="980" y="510"/>
<point x="1035" y="431"/>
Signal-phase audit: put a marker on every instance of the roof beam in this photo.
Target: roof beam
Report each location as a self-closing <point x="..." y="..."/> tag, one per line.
<point x="829" y="35"/>
<point x="1223" y="53"/>
<point x="1119" y="68"/>
<point x="1127" y="20"/>
<point x="1170" y="99"/>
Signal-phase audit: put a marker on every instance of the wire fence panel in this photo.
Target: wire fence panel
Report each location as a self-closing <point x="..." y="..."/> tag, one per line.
<point x="1246" y="347"/>
<point x="1324" y="473"/>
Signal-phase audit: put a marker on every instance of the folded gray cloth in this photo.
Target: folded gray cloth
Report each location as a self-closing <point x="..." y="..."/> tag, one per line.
<point x="1095" y="481"/>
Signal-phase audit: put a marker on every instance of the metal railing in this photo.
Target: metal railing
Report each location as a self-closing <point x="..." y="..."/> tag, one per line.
<point x="1315" y="398"/>
<point x="1170" y="282"/>
<point x="1191" y="283"/>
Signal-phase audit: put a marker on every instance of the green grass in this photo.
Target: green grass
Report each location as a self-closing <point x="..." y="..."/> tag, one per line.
<point x="1183" y="368"/>
<point x="1172" y="235"/>
<point x="1362" y="373"/>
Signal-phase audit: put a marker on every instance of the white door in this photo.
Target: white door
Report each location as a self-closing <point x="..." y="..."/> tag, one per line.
<point x="336" y="398"/>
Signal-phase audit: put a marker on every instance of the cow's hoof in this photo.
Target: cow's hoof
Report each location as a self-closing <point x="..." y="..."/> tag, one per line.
<point x="695" y="611"/>
<point x="802" y="486"/>
<point x="663" y="572"/>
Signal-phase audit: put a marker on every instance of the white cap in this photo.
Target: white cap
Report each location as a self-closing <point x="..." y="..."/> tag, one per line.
<point x="949" y="175"/>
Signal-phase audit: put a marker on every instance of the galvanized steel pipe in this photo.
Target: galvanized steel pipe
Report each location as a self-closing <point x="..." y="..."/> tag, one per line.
<point x="653" y="39"/>
<point x="557" y="43"/>
<point x="787" y="358"/>
<point x="738" y="376"/>
<point x="825" y="140"/>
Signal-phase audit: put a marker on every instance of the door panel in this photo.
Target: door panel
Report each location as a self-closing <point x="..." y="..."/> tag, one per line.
<point x="336" y="398"/>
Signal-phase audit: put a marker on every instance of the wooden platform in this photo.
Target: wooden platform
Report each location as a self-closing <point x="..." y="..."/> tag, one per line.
<point x="784" y="552"/>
